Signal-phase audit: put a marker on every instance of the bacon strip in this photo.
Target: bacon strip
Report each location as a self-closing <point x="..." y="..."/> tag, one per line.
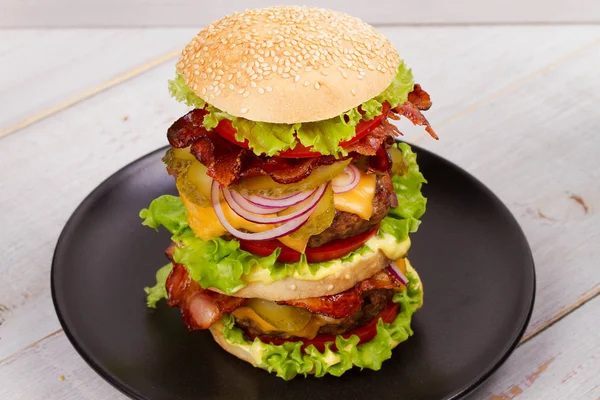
<point x="420" y="98"/>
<point x="199" y="308"/>
<point x="410" y="111"/>
<point x="343" y="304"/>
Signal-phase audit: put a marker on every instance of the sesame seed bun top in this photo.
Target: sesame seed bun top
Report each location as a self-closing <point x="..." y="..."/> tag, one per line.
<point x="288" y="64"/>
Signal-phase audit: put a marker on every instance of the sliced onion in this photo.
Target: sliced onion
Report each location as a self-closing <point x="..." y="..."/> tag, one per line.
<point x="394" y="270"/>
<point x="281" y="230"/>
<point x="288" y="201"/>
<point x="239" y="210"/>
<point x="251" y="207"/>
<point x="393" y="199"/>
<point x="346" y="181"/>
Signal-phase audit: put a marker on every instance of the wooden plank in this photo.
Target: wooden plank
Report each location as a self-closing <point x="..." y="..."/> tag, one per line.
<point x="560" y="363"/>
<point x="79" y="147"/>
<point x="52" y="370"/>
<point x="536" y="147"/>
<point x="67" y="63"/>
<point x="111" y="13"/>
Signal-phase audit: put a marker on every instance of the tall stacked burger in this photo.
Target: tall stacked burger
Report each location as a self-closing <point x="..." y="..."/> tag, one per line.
<point x="296" y="196"/>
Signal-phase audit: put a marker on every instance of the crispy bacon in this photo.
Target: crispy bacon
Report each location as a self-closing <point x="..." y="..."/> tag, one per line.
<point x="227" y="163"/>
<point x="343" y="304"/>
<point x="199" y="308"/>
<point x="187" y="129"/>
<point x="420" y="98"/>
<point x="410" y="111"/>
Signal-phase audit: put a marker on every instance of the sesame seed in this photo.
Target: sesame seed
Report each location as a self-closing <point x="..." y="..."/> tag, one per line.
<point x="297" y="78"/>
<point x="246" y="94"/>
<point x="261" y="90"/>
<point x="244" y="110"/>
<point x="353" y="91"/>
<point x="269" y="89"/>
<point x="330" y="287"/>
<point x="317" y="85"/>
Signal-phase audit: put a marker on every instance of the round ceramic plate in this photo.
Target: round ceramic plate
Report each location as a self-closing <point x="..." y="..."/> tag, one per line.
<point x="473" y="258"/>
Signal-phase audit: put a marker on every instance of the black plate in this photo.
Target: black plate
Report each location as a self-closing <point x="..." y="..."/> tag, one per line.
<point x="472" y="256"/>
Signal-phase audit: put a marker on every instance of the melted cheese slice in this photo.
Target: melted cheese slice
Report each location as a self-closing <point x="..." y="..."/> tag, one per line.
<point x="359" y="200"/>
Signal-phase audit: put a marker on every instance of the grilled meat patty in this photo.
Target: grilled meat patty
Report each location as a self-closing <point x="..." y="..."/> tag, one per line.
<point x="346" y="224"/>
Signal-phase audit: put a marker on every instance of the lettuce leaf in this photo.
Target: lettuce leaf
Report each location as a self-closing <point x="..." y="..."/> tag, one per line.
<point x="158" y="291"/>
<point x="288" y="360"/>
<point x="404" y="219"/>
<point x="324" y="136"/>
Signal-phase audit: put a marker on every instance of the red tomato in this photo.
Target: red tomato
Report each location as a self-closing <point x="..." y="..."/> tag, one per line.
<point x="330" y="251"/>
<point x="365" y="333"/>
<point x="225" y="129"/>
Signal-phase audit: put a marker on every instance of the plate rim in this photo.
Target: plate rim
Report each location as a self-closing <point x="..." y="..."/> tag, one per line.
<point x="129" y="391"/>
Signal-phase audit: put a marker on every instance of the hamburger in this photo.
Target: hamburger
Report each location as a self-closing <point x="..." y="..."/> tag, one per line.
<point x="296" y="197"/>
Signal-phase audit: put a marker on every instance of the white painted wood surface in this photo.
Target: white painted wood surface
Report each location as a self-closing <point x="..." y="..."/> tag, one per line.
<point x="516" y="106"/>
<point x="69" y="63"/>
<point x="143" y="13"/>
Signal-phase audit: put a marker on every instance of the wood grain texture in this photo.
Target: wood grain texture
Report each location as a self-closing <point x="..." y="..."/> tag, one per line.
<point x="142" y="13"/>
<point x="68" y="63"/>
<point x="525" y="129"/>
<point x="540" y="145"/>
<point x="561" y="363"/>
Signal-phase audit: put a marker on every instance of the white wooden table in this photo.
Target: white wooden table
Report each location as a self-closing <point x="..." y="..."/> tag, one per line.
<point x="517" y="106"/>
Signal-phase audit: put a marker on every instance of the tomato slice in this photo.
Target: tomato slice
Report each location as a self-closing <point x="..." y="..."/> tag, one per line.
<point x="365" y="333"/>
<point x="329" y="251"/>
<point x="227" y="131"/>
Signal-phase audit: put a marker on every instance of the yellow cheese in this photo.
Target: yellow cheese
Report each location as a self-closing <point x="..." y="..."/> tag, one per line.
<point x="359" y="200"/>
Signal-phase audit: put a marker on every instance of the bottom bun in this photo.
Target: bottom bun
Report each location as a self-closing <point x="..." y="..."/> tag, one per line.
<point x="244" y="354"/>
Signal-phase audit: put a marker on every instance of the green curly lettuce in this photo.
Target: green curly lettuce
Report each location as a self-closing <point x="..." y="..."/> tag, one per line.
<point x="404" y="219"/>
<point x="288" y="360"/>
<point x="323" y="136"/>
<point x="159" y="291"/>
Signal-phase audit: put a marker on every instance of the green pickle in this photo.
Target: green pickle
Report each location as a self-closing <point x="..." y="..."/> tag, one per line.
<point x="265" y="186"/>
<point x="321" y="218"/>
<point x="285" y="318"/>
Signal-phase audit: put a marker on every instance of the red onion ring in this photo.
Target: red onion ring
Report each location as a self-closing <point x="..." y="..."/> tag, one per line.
<point x="394" y="270"/>
<point x="280" y="231"/>
<point x="347" y="180"/>
<point x="251" y="207"/>
<point x="270" y="202"/>
<point x="249" y="216"/>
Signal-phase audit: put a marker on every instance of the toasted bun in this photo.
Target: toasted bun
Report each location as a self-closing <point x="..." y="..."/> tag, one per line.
<point x="288" y="64"/>
<point x="217" y="333"/>
<point x="292" y="288"/>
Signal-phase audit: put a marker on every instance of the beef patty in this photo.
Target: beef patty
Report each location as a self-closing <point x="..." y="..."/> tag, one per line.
<point x="346" y="224"/>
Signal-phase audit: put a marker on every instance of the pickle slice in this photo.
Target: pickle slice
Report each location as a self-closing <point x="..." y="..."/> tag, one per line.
<point x="320" y="220"/>
<point x="265" y="186"/>
<point x="285" y="318"/>
<point x="399" y="164"/>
